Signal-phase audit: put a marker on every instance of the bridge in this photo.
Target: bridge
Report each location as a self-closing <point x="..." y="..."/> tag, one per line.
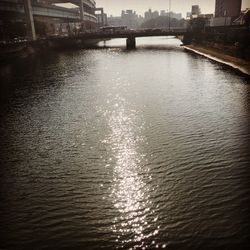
<point x="129" y="35"/>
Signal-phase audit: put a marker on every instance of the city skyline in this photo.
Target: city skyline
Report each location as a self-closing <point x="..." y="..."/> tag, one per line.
<point x="114" y="7"/>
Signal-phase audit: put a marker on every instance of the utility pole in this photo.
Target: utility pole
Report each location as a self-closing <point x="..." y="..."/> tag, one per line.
<point x="169" y="17"/>
<point x="225" y="15"/>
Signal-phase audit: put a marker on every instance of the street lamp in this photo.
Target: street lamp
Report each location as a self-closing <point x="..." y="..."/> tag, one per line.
<point x="169" y="1"/>
<point x="225" y="15"/>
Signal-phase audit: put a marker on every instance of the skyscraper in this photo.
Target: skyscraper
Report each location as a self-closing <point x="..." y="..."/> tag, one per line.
<point x="195" y="10"/>
<point x="229" y="8"/>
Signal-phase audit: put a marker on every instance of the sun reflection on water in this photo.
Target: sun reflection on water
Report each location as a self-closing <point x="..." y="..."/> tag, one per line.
<point x="130" y="193"/>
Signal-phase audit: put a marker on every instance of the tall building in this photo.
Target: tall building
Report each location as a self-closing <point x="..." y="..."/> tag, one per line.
<point x="163" y="13"/>
<point x="172" y="14"/>
<point x="102" y="19"/>
<point x="228" y="8"/>
<point x="195" y="11"/>
<point x="177" y="16"/>
<point x="130" y="19"/>
<point x="150" y="14"/>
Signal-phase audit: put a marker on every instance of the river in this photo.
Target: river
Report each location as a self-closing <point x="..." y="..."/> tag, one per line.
<point x="113" y="149"/>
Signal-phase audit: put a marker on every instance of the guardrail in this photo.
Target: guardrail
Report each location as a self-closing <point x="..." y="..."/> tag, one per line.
<point x="124" y="34"/>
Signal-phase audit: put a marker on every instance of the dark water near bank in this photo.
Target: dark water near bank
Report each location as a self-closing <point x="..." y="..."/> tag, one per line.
<point x="112" y="149"/>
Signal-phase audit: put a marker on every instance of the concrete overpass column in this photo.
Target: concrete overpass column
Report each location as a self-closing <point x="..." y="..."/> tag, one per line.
<point x="102" y="15"/>
<point x="29" y="19"/>
<point x="131" y="43"/>
<point x="81" y="10"/>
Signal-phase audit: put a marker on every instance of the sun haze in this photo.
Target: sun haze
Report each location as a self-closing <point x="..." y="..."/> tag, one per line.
<point x="114" y="7"/>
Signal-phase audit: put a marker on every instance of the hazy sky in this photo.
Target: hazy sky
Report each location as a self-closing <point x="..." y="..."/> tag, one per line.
<point x="114" y="7"/>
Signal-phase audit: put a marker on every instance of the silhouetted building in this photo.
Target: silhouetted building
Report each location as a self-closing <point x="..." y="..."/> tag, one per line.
<point x="195" y="11"/>
<point x="177" y="16"/>
<point x="226" y="11"/>
<point x="208" y="19"/>
<point x="163" y="13"/>
<point x="115" y="21"/>
<point x="228" y="8"/>
<point x="102" y="20"/>
<point x="151" y="14"/>
<point x="128" y="18"/>
<point x="188" y="15"/>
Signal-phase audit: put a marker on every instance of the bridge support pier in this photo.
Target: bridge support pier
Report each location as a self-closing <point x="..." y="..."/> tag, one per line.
<point x="131" y="43"/>
<point x="29" y="19"/>
<point x="187" y="38"/>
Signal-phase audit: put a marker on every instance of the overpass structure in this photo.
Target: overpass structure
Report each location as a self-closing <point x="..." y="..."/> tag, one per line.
<point x="31" y="10"/>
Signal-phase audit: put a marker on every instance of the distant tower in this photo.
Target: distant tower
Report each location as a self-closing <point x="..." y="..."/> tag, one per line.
<point x="229" y="8"/>
<point x="196" y="11"/>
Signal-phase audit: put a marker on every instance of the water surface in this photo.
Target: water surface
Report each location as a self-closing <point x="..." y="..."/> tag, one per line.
<point x="116" y="149"/>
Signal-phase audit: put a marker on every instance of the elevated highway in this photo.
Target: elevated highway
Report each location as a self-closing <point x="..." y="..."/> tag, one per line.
<point x="45" y="9"/>
<point x="31" y="9"/>
<point x="90" y="3"/>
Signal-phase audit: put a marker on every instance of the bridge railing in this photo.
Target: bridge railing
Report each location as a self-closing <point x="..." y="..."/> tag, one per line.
<point x="135" y="32"/>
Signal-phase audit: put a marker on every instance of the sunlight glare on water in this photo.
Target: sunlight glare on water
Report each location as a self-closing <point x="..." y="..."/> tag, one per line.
<point x="129" y="192"/>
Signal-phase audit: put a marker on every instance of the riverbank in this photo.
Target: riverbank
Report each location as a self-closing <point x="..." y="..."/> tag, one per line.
<point x="13" y="51"/>
<point x="216" y="55"/>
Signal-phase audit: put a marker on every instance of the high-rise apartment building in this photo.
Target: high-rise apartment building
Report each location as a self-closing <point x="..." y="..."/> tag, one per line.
<point x="228" y="8"/>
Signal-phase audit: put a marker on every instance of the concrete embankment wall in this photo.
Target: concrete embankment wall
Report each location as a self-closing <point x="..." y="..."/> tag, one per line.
<point x="12" y="51"/>
<point x="230" y="46"/>
<point x="233" y="41"/>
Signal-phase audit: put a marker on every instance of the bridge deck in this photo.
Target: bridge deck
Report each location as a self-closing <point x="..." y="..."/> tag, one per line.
<point x="127" y="34"/>
<point x="45" y="10"/>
